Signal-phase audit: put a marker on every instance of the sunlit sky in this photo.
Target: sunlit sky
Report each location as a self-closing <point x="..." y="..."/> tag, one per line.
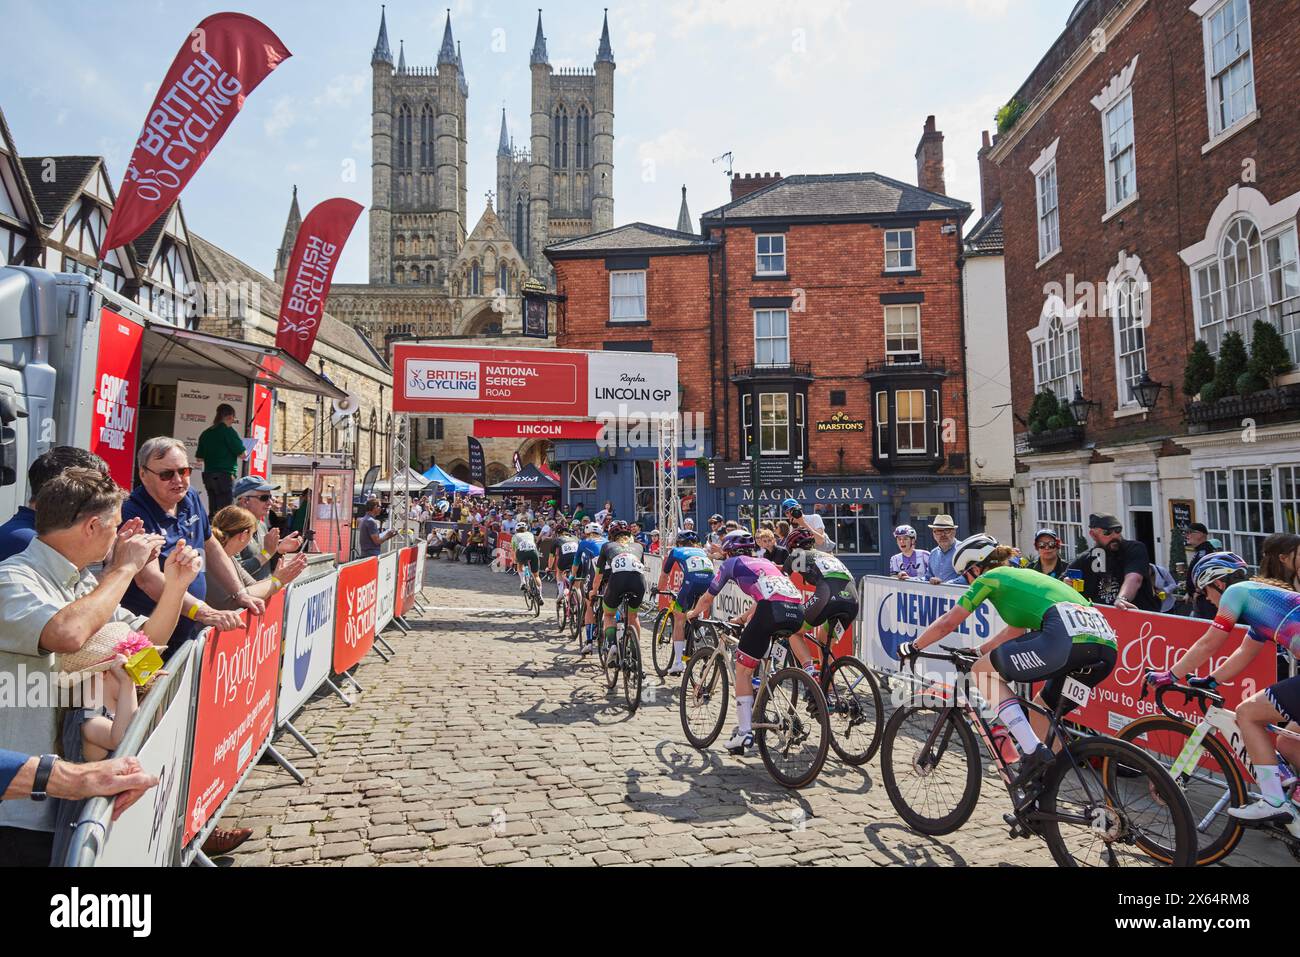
<point x="814" y="86"/>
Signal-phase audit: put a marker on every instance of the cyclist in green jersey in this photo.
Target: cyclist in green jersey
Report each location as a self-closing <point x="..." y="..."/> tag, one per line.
<point x="1052" y="634"/>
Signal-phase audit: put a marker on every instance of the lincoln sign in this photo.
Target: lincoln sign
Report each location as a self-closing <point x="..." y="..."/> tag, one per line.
<point x="452" y="380"/>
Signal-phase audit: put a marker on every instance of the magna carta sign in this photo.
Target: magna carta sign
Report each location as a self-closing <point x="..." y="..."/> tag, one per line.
<point x="839" y="422"/>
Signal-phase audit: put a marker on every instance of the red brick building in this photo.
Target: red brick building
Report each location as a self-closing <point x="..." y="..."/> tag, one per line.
<point x="817" y="318"/>
<point x="1150" y="189"/>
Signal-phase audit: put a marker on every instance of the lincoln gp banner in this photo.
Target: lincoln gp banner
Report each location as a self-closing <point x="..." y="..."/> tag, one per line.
<point x="533" y="383"/>
<point x="222" y="61"/>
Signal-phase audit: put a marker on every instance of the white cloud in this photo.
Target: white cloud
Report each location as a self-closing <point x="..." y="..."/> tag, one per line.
<point x="672" y="148"/>
<point x="341" y="91"/>
<point x="282" y="117"/>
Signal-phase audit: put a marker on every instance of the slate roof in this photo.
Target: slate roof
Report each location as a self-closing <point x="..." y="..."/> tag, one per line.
<point x="147" y="241"/>
<point x="71" y="173"/>
<point x="985" y="237"/>
<point x="223" y="267"/>
<point x="632" y="237"/>
<point x="832" y="195"/>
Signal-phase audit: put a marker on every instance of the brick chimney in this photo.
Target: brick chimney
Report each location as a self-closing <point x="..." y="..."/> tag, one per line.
<point x="744" y="185"/>
<point x="929" y="158"/>
<point x="990" y="182"/>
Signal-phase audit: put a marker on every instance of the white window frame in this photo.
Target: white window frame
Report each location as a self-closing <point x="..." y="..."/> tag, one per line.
<point x="899" y="249"/>
<point x="759" y="255"/>
<point x="776" y="424"/>
<point x="882" y="424"/>
<point x="1238" y="533"/>
<point x="1117" y="94"/>
<point x="1058" y="505"/>
<point x="1048" y="219"/>
<point x="1128" y="297"/>
<point x="774" y="360"/>
<point x="911" y="421"/>
<point x="1279" y="279"/>
<point x="1070" y="356"/>
<point x="1209" y="11"/>
<point x="582" y="477"/>
<point x="624" y="297"/>
<point x="902" y="356"/>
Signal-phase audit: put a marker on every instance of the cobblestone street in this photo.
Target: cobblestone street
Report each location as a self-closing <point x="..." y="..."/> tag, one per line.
<point x="487" y="741"/>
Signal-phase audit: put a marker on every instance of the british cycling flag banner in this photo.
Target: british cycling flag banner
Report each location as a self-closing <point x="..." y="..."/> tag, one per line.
<point x="533" y="383"/>
<point x="222" y="61"/>
<point x="311" y="271"/>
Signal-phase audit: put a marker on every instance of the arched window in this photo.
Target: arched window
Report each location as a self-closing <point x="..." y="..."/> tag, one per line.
<point x="426" y="137"/>
<point x="404" y="130"/>
<point x="583" y="146"/>
<point x="561" y="138"/>
<point x="503" y="280"/>
<point x="582" y="477"/>
<point x="1243" y="276"/>
<point x="475" y="280"/>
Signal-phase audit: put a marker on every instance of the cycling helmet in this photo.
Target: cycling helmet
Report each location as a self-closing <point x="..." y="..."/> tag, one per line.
<point x="593" y="528"/>
<point x="905" y="531"/>
<point x="789" y="504"/>
<point x="800" y="538"/>
<point x="618" y="527"/>
<point x="715" y="518"/>
<point x="972" y="551"/>
<point x="739" y="543"/>
<point x="1218" y="566"/>
<point x="687" y="536"/>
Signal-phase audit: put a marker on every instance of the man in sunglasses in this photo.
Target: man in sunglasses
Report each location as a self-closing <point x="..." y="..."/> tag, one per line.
<point x="1116" y="571"/>
<point x="266" y="546"/>
<point x="167" y="506"/>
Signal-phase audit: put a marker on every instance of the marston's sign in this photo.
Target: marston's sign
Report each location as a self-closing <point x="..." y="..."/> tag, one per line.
<point x="839" y="422"/>
<point x="452" y="380"/>
<point x="513" y="429"/>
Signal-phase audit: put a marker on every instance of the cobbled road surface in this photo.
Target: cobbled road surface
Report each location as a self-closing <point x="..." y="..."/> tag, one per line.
<point x="487" y="741"/>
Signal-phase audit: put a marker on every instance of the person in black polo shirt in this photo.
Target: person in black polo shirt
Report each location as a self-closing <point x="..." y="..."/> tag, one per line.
<point x="1116" y="571"/>
<point x="1198" y="546"/>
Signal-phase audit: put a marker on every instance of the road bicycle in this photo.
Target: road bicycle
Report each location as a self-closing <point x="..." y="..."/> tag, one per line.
<point x="577" y="611"/>
<point x="697" y="633"/>
<point x="532" y="592"/>
<point x="790" y="724"/>
<point x="1099" y="802"/>
<point x="622" y="657"/>
<point x="563" y="609"/>
<point x="1209" y="763"/>
<point x="853" y="700"/>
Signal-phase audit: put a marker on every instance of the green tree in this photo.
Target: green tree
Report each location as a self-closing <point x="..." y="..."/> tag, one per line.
<point x="1199" y="371"/>
<point x="1268" y="356"/>
<point x="1231" y="365"/>
<point x="1045" y="407"/>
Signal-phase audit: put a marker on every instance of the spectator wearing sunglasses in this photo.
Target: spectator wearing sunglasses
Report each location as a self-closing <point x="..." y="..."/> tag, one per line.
<point x="1047" y="545"/>
<point x="17" y="533"/>
<point x="264" y="549"/>
<point x="221" y="449"/>
<point x="167" y="506"/>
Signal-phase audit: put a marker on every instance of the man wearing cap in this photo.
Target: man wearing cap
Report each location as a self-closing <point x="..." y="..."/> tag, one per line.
<point x="794" y="514"/>
<point x="1116" y="571"/>
<point x="266" y="546"/>
<point x="221" y="449"/>
<point x="1047" y="545"/>
<point x="945" y="538"/>
<point x="1198" y="546"/>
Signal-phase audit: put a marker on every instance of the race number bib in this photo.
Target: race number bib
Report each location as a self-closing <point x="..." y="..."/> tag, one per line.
<point x="770" y="587"/>
<point x="1077" y="691"/>
<point x="777" y="656"/>
<point x="625" y="563"/>
<point x="1084" y="621"/>
<point x="698" y="563"/>
<point x="829" y="565"/>
<point x="568" y="548"/>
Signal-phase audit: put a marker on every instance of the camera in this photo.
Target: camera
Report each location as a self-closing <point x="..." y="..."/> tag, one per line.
<point x="796" y="512"/>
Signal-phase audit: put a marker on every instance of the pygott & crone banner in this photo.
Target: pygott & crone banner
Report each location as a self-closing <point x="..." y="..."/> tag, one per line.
<point x="460" y="380"/>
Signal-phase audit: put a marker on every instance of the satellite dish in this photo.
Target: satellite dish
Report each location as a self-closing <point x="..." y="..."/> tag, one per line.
<point x="345" y="408"/>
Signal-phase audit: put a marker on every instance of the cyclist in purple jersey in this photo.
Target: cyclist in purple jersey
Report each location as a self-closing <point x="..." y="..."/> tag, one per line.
<point x="778" y="607"/>
<point x="1269" y="613"/>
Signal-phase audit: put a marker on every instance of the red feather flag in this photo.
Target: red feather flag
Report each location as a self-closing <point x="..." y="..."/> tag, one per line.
<point x="311" y="270"/>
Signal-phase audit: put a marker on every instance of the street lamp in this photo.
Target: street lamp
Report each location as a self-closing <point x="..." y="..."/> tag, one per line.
<point x="1080" y="407"/>
<point x="1147" y="392"/>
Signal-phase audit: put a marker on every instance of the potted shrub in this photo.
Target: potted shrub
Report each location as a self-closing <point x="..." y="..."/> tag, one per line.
<point x="1232" y="365"/>
<point x="1199" y="371"/>
<point x="1268" y="356"/>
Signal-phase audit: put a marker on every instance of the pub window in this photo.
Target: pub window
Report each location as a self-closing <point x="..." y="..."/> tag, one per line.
<point x="838" y="397"/>
<point x="902" y="335"/>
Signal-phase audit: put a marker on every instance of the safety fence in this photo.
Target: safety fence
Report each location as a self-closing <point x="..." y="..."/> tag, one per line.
<point x="228" y="696"/>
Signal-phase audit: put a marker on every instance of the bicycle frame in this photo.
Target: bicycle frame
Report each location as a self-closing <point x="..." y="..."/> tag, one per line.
<point x="725" y="650"/>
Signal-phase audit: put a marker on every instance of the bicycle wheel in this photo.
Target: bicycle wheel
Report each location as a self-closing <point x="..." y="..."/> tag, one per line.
<point x="1211" y="787"/>
<point x="1114" y="805"/>
<point x="702" y="701"/>
<point x="857" y="711"/>
<point x="661" y="643"/>
<point x="934" y="785"/>
<point x="632" y="672"/>
<point x="614" y="654"/>
<point x="795" y="749"/>
<point x="576" y="615"/>
<point x="537" y="598"/>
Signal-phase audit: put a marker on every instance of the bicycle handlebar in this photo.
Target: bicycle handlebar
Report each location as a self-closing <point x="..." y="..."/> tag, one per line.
<point x="1203" y="697"/>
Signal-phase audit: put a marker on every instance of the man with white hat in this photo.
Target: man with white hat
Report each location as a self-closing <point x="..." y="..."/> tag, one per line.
<point x="259" y="558"/>
<point x="945" y="537"/>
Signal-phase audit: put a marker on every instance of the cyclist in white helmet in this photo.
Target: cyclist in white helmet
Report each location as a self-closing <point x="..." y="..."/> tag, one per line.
<point x="909" y="563"/>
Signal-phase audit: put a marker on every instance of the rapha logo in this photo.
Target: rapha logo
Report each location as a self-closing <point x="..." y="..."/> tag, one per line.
<point x="76" y="910"/>
<point x="628" y="378"/>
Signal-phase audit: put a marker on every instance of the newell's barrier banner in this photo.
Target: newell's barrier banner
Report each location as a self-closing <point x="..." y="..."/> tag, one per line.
<point x="406" y="579"/>
<point x="115" y="417"/>
<point x="310" y="608"/>
<point x="532" y="383"/>
<point x="386" y="606"/>
<point x="145" y="834"/>
<point x="893" y="611"/>
<point x="236" y="709"/>
<point x="354" y="621"/>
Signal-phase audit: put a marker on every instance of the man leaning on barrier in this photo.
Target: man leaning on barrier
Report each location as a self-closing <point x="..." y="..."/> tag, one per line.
<point x="44" y="777"/>
<point x="53" y="605"/>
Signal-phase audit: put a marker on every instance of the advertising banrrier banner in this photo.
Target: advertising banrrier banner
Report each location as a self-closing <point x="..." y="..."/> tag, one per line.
<point x="308" y="642"/>
<point x="386" y="606"/>
<point x="354" y="623"/>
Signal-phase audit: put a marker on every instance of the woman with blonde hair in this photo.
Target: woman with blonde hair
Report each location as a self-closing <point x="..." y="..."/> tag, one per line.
<point x="233" y="529"/>
<point x="1279" y="562"/>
